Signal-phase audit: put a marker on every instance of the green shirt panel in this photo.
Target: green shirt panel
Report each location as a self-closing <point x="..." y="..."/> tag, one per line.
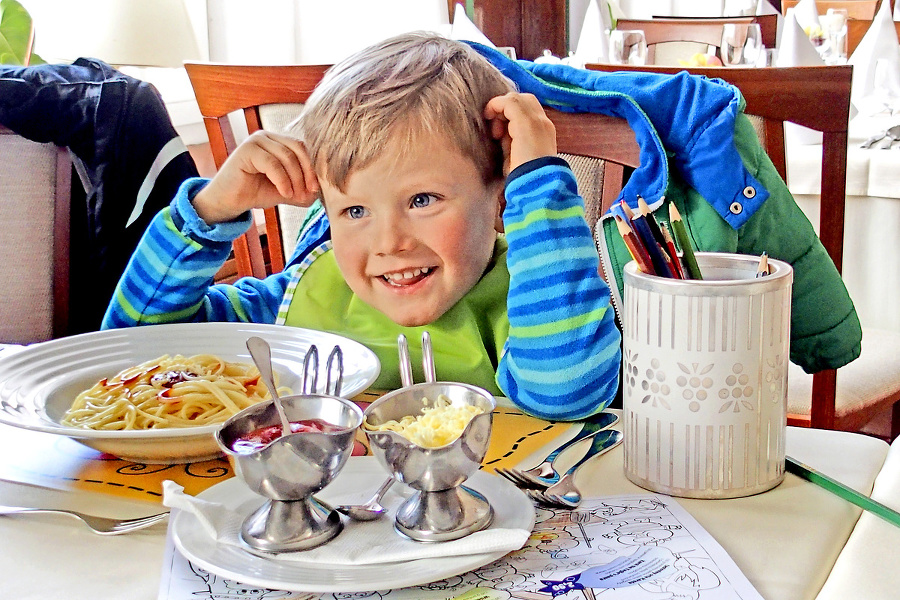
<point x="467" y="340"/>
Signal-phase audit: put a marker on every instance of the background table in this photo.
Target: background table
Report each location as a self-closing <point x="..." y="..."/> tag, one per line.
<point x="871" y="240"/>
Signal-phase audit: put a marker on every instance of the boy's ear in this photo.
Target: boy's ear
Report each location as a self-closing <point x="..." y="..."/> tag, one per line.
<point x="501" y="206"/>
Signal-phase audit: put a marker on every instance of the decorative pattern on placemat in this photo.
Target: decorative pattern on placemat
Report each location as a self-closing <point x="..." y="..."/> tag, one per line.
<point x="59" y="462"/>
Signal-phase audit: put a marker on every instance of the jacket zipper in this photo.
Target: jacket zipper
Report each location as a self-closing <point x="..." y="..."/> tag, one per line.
<point x="606" y="268"/>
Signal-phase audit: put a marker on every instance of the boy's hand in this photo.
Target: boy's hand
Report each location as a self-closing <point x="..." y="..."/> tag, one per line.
<point x="265" y="170"/>
<point x="520" y="123"/>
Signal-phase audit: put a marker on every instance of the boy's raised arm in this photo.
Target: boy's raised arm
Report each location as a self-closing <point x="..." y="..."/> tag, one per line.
<point x="562" y="358"/>
<point x="169" y="277"/>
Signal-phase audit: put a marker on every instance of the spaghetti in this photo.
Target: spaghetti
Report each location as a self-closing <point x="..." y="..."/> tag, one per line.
<point x="168" y="392"/>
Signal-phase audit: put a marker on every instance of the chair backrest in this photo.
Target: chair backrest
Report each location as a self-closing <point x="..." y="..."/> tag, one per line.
<point x="602" y="151"/>
<point x="818" y="98"/>
<point x="857" y="28"/>
<point x="35" y="189"/>
<point x="224" y="89"/>
<point x="700" y="30"/>
<point x="856" y="9"/>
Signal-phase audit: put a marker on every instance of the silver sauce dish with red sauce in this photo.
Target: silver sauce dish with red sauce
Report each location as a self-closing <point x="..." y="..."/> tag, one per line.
<point x="288" y="469"/>
<point x="258" y="438"/>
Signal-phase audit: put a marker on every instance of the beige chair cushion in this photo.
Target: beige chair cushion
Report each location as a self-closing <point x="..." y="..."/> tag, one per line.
<point x="27" y="195"/>
<point x="871" y="380"/>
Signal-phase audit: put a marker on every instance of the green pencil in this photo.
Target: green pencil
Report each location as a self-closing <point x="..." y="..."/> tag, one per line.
<point x="687" y="250"/>
<point x="799" y="469"/>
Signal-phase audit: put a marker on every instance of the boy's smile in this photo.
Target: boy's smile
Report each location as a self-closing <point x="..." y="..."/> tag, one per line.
<point x="414" y="231"/>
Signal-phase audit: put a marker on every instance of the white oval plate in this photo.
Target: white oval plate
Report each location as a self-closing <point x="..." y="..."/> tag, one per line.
<point x="39" y="382"/>
<point x="512" y="510"/>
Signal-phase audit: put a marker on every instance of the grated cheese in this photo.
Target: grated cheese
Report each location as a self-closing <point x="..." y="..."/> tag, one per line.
<point x="437" y="426"/>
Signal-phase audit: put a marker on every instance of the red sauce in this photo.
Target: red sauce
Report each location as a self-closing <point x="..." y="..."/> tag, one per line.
<point x="258" y="438"/>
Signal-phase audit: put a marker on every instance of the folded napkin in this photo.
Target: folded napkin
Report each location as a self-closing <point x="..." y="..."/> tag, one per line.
<point x="876" y="66"/>
<point x="593" y="42"/>
<point x="795" y="50"/>
<point x="464" y="30"/>
<point x="360" y="543"/>
<point x="807" y="14"/>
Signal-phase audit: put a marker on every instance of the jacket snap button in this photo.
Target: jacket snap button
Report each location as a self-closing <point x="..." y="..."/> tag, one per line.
<point x="736" y="208"/>
<point x="749" y="191"/>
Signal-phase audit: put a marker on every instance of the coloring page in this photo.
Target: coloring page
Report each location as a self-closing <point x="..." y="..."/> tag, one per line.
<point x="634" y="547"/>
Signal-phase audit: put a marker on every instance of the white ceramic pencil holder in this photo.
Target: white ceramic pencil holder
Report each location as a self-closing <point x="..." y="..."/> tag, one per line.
<point x="705" y="366"/>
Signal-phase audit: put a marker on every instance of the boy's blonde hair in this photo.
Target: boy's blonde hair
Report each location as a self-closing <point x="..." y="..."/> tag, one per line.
<point x="388" y="95"/>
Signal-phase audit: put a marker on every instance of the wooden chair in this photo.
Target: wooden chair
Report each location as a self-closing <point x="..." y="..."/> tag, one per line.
<point x="35" y="189"/>
<point x="225" y="89"/>
<point x="857" y="28"/>
<point x="856" y="9"/>
<point x="601" y="150"/>
<point x="706" y="31"/>
<point x="818" y="98"/>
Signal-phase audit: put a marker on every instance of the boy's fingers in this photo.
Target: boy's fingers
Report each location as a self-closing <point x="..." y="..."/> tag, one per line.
<point x="286" y="164"/>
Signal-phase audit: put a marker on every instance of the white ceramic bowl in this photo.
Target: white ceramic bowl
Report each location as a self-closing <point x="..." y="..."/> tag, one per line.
<point x="39" y="383"/>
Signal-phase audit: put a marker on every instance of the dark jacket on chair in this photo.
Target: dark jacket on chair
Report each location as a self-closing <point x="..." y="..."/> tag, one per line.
<point x="128" y="157"/>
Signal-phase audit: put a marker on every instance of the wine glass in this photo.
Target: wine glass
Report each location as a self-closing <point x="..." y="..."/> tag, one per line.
<point x="627" y="47"/>
<point x="741" y="44"/>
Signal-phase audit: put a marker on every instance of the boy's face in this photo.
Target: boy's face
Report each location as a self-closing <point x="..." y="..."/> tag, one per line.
<point x="413" y="235"/>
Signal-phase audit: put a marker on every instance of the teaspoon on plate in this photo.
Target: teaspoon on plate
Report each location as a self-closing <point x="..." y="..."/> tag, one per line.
<point x="370" y="510"/>
<point x="891" y="135"/>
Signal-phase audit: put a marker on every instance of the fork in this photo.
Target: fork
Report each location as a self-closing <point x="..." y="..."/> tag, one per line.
<point x="544" y="475"/>
<point x="99" y="525"/>
<point x="563" y="493"/>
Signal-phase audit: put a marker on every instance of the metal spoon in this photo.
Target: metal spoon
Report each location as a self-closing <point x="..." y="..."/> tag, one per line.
<point x="262" y="357"/>
<point x="370" y="510"/>
<point x="406" y="374"/>
<point x="428" y="358"/>
<point x="891" y="135"/>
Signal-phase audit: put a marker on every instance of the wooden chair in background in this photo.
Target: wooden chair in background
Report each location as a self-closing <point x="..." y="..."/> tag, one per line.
<point x="856" y="9"/>
<point x="818" y="98"/>
<point x="704" y="31"/>
<point x="225" y="89"/>
<point x="35" y="196"/>
<point x="857" y="28"/>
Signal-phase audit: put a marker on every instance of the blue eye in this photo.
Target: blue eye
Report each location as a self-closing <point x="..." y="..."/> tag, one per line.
<point x="422" y="200"/>
<point x="356" y="212"/>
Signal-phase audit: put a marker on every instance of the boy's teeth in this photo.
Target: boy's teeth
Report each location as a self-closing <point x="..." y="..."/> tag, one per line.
<point x="407" y="274"/>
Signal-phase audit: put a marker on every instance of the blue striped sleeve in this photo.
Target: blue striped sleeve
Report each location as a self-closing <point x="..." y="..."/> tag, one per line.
<point x="562" y="358"/>
<point x="169" y="278"/>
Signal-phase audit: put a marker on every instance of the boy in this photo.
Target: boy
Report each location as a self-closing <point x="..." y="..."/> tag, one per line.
<point x="407" y="143"/>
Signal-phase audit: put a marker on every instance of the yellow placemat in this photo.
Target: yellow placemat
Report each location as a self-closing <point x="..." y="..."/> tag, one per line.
<point x="61" y="463"/>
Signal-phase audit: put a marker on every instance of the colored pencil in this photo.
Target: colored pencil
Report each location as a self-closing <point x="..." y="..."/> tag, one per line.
<point x="644" y="210"/>
<point x="657" y="256"/>
<point x="687" y="250"/>
<point x="673" y="251"/>
<point x="635" y="247"/>
<point x="799" y="469"/>
<point x="763" y="269"/>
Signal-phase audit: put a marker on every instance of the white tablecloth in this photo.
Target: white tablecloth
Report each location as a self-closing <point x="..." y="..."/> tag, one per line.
<point x="872" y="219"/>
<point x="785" y="540"/>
